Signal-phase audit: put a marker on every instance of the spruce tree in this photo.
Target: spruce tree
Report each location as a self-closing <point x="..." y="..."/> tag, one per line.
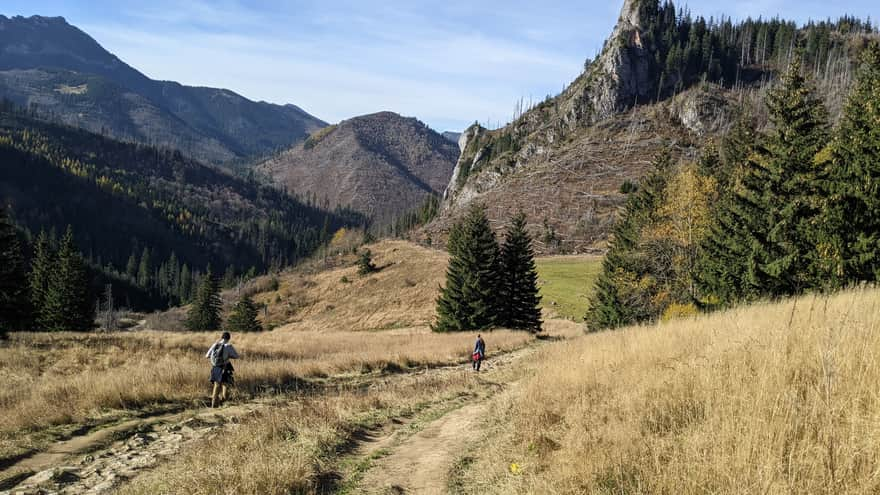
<point x="243" y="317"/>
<point x="131" y="268"/>
<point x="184" y="291"/>
<point x="618" y="299"/>
<point x="850" y="247"/>
<point x="145" y="269"/>
<point x="14" y="298"/>
<point x="451" y="306"/>
<point x="365" y="263"/>
<point x="470" y="300"/>
<point x="792" y="196"/>
<point x="520" y="305"/>
<point x="68" y="304"/>
<point x="730" y="255"/>
<point x="204" y="315"/>
<point x="41" y="267"/>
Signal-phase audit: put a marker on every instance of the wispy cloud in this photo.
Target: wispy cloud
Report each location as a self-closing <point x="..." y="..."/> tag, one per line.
<point x="448" y="63"/>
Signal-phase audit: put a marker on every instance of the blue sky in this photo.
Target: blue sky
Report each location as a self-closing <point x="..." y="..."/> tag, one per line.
<point x="448" y="63"/>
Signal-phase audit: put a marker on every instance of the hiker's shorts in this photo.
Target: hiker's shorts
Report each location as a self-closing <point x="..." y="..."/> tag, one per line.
<point x="221" y="374"/>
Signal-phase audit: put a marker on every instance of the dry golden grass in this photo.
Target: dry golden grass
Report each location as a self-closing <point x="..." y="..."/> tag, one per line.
<point x="774" y="398"/>
<point x="61" y="378"/>
<point x="401" y="295"/>
<point x="285" y="450"/>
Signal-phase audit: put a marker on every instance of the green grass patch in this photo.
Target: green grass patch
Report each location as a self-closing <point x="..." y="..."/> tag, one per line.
<point x="566" y="284"/>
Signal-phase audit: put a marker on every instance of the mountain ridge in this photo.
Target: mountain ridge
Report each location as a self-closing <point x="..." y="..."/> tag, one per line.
<point x="43" y="57"/>
<point x="380" y="164"/>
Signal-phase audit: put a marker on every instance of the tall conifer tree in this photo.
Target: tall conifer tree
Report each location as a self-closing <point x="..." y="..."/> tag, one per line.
<point x="520" y="308"/>
<point x="470" y="300"/>
<point x="613" y="303"/>
<point x="68" y="304"/>
<point x="849" y="250"/>
<point x="729" y="257"/>
<point x="41" y="266"/>
<point x="792" y="196"/>
<point x="204" y="315"/>
<point x="243" y="317"/>
<point x="451" y="306"/>
<point x="14" y="299"/>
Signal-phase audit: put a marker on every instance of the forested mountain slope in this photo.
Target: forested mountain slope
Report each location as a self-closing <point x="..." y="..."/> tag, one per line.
<point x="127" y="202"/>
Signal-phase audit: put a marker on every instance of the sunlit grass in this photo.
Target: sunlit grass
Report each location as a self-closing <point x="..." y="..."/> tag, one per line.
<point x="772" y="398"/>
<point x="566" y="284"/>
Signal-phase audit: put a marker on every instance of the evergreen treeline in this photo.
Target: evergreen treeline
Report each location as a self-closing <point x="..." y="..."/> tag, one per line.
<point x="15" y="311"/>
<point x="791" y="210"/>
<point x="56" y="293"/>
<point x="489" y="286"/>
<point x="426" y="212"/>
<point x="689" y="49"/>
<point x="149" y="220"/>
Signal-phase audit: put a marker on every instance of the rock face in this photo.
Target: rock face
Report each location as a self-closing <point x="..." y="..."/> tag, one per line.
<point x="59" y="71"/>
<point x="382" y="165"/>
<point x="624" y="73"/>
<point x="470" y="135"/>
<point x="622" y="76"/>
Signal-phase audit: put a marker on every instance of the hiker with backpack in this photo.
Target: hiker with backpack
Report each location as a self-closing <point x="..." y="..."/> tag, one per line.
<point x="221" y="368"/>
<point x="479" y="352"/>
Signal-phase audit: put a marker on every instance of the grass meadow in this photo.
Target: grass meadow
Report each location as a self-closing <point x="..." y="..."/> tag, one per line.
<point x="773" y="398"/>
<point x="566" y="283"/>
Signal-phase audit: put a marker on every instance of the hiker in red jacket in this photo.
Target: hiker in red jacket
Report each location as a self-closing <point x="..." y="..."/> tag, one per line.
<point x="479" y="352"/>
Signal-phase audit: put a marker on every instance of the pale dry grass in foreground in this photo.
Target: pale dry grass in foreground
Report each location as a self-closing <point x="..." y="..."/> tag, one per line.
<point x="774" y="398"/>
<point x="52" y="379"/>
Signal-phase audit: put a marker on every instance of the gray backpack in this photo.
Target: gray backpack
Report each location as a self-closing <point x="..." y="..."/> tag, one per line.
<point x="218" y="354"/>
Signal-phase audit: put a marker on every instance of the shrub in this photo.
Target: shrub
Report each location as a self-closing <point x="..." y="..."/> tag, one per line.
<point x="677" y="311"/>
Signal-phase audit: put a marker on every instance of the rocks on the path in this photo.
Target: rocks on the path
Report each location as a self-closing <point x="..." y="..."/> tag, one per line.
<point x="104" y="470"/>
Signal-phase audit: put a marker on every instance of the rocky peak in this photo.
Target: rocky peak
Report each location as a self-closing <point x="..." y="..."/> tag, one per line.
<point x="623" y="75"/>
<point x="630" y="14"/>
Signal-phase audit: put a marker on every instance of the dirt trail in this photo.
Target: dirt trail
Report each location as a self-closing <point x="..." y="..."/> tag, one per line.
<point x="421" y="463"/>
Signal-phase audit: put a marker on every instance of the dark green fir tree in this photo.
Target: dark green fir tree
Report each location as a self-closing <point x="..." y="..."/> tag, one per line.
<point x="243" y="317"/>
<point x="520" y="302"/>
<point x="792" y="195"/>
<point x="204" y="315"/>
<point x="14" y="297"/>
<point x="42" y="265"/>
<point x="731" y="253"/>
<point x="365" y="263"/>
<point x="68" y="305"/>
<point x="850" y="248"/>
<point x="471" y="298"/>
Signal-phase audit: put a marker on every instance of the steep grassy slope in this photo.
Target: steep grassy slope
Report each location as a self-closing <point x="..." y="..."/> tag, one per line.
<point x="773" y="398"/>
